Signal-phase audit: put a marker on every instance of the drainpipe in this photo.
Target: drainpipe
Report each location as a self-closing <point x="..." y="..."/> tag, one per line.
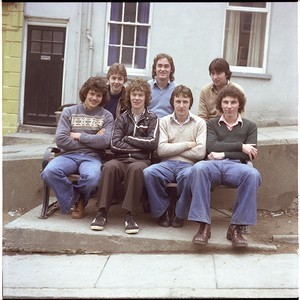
<point x="89" y="37"/>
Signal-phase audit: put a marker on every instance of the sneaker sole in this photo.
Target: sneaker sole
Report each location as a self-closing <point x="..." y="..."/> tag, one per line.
<point x="130" y="231"/>
<point x="98" y="228"/>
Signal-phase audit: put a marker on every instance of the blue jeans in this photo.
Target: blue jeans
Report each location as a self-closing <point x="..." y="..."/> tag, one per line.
<point x="56" y="177"/>
<point x="155" y="179"/>
<point x="246" y="179"/>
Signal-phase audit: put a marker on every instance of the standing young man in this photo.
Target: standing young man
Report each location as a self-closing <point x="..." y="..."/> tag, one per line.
<point x="134" y="138"/>
<point x="162" y="85"/>
<point x="231" y="142"/>
<point x="83" y="133"/>
<point x="220" y="74"/>
<point x="182" y="142"/>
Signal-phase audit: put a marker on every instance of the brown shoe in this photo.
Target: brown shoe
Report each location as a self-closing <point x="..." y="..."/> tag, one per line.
<point x="78" y="211"/>
<point x="203" y="234"/>
<point x="235" y="236"/>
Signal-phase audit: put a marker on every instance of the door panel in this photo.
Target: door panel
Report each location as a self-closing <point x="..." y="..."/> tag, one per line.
<point x="44" y="74"/>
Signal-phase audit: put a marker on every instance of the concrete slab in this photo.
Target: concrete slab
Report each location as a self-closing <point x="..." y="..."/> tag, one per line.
<point x="167" y="276"/>
<point x="257" y="271"/>
<point x="159" y="271"/>
<point x="62" y="234"/>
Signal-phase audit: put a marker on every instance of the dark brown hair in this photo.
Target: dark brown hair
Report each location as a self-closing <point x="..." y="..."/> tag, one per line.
<point x="169" y="58"/>
<point x="233" y="92"/>
<point x="184" y="91"/>
<point x="96" y="84"/>
<point x="220" y="65"/>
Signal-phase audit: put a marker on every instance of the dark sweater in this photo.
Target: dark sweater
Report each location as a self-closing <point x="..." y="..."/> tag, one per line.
<point x="221" y="139"/>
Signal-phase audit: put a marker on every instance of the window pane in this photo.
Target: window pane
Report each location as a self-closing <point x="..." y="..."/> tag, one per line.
<point x="113" y="55"/>
<point x="140" y="58"/>
<point x="127" y="56"/>
<point x="249" y="4"/>
<point x="58" y="36"/>
<point x="130" y="10"/>
<point x="47" y="36"/>
<point x="142" y="36"/>
<point x="128" y="37"/>
<point x="116" y="11"/>
<point x="115" y="34"/>
<point x="143" y="12"/>
<point x="46" y="48"/>
<point x="35" y="47"/>
<point x="36" y="35"/>
<point x="57" y="49"/>
<point x="245" y="38"/>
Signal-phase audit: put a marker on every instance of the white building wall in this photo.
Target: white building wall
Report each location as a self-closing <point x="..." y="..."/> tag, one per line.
<point x="192" y="33"/>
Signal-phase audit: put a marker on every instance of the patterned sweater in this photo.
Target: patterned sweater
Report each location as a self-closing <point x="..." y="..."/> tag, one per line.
<point x="88" y="122"/>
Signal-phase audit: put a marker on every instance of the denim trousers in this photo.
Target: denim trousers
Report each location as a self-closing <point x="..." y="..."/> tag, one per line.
<point x="157" y="176"/>
<point x="56" y="177"/>
<point x="228" y="172"/>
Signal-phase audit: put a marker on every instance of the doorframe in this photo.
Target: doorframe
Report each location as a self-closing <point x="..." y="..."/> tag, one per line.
<point x="38" y="22"/>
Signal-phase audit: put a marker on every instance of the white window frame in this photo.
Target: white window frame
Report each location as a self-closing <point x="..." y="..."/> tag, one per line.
<point x="130" y="71"/>
<point x="267" y="10"/>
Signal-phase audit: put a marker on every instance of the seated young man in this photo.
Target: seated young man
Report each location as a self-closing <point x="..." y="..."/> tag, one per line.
<point x="231" y="142"/>
<point x="182" y="142"/>
<point x="134" y="138"/>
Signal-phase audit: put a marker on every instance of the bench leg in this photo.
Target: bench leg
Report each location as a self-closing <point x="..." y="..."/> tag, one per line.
<point x="46" y="193"/>
<point x="46" y="208"/>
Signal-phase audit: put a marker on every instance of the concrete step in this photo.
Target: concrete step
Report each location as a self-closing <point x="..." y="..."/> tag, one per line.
<point x="27" y="138"/>
<point x="62" y="234"/>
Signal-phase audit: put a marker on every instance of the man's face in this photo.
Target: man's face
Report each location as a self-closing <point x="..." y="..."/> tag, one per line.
<point x="181" y="106"/>
<point x="116" y="82"/>
<point x="230" y="106"/>
<point x="218" y="78"/>
<point x="93" y="99"/>
<point x="137" y="99"/>
<point x="163" y="69"/>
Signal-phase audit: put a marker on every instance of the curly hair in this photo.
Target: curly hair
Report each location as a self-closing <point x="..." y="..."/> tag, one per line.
<point x="220" y="65"/>
<point x="233" y="92"/>
<point x="169" y="58"/>
<point x="138" y="84"/>
<point x="96" y="84"/>
<point x="184" y="91"/>
<point x="117" y="68"/>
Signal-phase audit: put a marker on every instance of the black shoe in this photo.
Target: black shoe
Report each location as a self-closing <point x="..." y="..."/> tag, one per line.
<point x="130" y="225"/>
<point x="99" y="221"/>
<point x="177" y="222"/>
<point x="165" y="219"/>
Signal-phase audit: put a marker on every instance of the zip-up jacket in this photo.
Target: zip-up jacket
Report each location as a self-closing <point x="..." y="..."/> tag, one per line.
<point x="135" y="139"/>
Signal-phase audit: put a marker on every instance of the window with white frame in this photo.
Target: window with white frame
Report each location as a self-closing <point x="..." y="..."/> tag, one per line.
<point x="245" y="34"/>
<point x="128" y="31"/>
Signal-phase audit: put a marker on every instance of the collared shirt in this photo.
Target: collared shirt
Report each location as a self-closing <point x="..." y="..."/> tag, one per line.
<point x="230" y="127"/>
<point x="188" y="119"/>
<point x="160" y="98"/>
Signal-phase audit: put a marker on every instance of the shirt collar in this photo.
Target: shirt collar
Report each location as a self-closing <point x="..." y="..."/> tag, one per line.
<point x="188" y="119"/>
<point x="230" y="127"/>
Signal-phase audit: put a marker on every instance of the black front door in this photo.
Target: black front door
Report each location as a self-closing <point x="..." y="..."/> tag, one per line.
<point x="44" y="74"/>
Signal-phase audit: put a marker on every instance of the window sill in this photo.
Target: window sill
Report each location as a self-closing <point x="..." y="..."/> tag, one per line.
<point x="251" y="75"/>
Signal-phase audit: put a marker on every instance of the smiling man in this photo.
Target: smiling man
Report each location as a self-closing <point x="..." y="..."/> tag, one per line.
<point x="231" y="142"/>
<point x="134" y="138"/>
<point x="162" y="84"/>
<point x="83" y="133"/>
<point x="182" y="142"/>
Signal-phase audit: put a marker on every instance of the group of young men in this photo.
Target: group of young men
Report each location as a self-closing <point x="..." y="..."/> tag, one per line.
<point x="152" y="119"/>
